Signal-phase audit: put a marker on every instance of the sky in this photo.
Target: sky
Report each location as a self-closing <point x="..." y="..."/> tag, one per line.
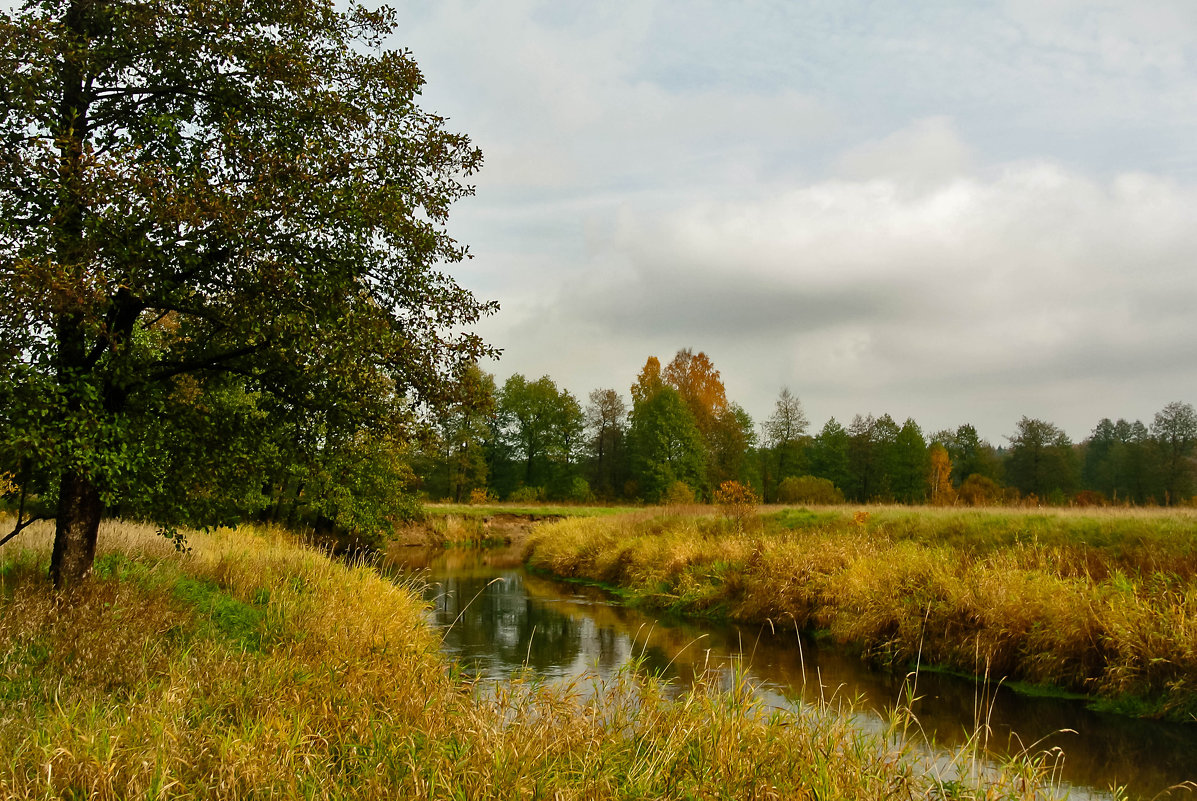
<point x="955" y="212"/>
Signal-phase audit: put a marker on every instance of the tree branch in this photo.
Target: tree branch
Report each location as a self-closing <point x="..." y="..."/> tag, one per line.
<point x="206" y="362"/>
<point x="22" y="526"/>
<point x="126" y="308"/>
<point x="21" y="510"/>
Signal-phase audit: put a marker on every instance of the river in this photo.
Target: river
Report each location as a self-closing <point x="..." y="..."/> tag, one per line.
<point x="499" y="620"/>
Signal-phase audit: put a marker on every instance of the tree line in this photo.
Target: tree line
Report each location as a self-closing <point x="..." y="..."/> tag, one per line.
<point x="681" y="438"/>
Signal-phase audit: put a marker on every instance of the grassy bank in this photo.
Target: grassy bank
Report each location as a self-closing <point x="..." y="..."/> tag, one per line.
<point x="253" y="667"/>
<point x="485" y="525"/>
<point x="533" y="510"/>
<point x="1101" y="603"/>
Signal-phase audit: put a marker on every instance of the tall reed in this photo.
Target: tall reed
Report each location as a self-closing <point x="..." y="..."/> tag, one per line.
<point x="1101" y="605"/>
<point x="256" y="668"/>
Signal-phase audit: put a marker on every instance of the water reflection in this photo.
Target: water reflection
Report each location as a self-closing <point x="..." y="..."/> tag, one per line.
<point x="494" y="627"/>
<point x="498" y="620"/>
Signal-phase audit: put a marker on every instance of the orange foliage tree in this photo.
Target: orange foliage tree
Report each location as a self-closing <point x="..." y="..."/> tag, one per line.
<point x="725" y="429"/>
<point x="648" y="383"/>
<point x="939" y="480"/>
<point x="697" y="381"/>
<point x="737" y="502"/>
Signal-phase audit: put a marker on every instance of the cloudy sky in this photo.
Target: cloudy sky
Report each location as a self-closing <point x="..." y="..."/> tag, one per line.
<point x="956" y="212"/>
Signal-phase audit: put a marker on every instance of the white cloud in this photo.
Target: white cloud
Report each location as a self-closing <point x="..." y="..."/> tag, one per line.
<point x="1125" y="37"/>
<point x="929" y="150"/>
<point x="863" y="292"/>
<point x="950" y="211"/>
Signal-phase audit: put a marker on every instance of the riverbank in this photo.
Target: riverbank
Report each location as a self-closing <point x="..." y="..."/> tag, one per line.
<point x="482" y="525"/>
<point x="1102" y="604"/>
<point x="256" y="667"/>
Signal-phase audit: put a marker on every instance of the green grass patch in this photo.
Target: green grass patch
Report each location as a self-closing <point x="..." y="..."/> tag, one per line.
<point x="118" y="566"/>
<point x="240" y="622"/>
<point x="19" y="567"/>
<point x="805" y="519"/>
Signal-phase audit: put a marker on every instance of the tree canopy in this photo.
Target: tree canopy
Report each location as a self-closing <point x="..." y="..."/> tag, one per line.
<point x="1175" y="432"/>
<point x="657" y="452"/>
<point x="665" y="444"/>
<point x="213" y="210"/>
<point x="1041" y="459"/>
<point x="542" y="426"/>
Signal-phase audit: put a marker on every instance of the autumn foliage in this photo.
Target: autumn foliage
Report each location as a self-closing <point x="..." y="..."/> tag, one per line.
<point x="698" y="382"/>
<point x="737" y="502"/>
<point x="681" y="429"/>
<point x="940" y="479"/>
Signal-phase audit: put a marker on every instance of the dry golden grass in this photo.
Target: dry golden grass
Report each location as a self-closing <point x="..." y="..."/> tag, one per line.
<point x="256" y="668"/>
<point x="1102" y="603"/>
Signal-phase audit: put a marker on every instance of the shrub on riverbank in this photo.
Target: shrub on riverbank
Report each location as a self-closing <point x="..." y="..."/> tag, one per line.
<point x="254" y="667"/>
<point x="1104" y="604"/>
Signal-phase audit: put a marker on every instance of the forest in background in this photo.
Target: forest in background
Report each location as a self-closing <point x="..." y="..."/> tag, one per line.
<point x="226" y="454"/>
<point x="225" y="296"/>
<point x="681" y="438"/>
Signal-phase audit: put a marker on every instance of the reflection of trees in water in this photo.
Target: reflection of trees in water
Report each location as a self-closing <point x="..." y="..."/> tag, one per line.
<point x="502" y="630"/>
<point x="402" y="562"/>
<point x="613" y="647"/>
<point x="559" y="630"/>
<point x="1099" y="749"/>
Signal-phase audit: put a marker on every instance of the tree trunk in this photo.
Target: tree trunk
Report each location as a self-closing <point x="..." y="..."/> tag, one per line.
<point x="79" y="507"/>
<point x="77" y="525"/>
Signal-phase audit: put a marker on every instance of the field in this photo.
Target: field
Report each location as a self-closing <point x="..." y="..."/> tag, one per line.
<point x="457" y="525"/>
<point x="1097" y="603"/>
<point x="537" y="510"/>
<point x="254" y="667"/>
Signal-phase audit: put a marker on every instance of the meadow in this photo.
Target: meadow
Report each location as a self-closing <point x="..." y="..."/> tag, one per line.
<point x="253" y="666"/>
<point x="1096" y="603"/>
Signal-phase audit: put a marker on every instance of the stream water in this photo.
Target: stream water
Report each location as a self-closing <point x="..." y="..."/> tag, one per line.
<point x="499" y="620"/>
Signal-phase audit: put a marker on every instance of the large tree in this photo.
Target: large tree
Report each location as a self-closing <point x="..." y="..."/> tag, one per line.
<point x="194" y="189"/>
<point x="454" y="460"/>
<point x="1118" y="461"/>
<point x="1041" y="460"/>
<point x="1174" y="431"/>
<point x="606" y="420"/>
<point x="698" y="382"/>
<point x="784" y="436"/>
<point x="665" y="444"/>
<point x="829" y="454"/>
<point x="969" y="454"/>
<point x="871" y="445"/>
<point x="731" y="442"/>
<point x="543" y="428"/>
<point x="910" y="464"/>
